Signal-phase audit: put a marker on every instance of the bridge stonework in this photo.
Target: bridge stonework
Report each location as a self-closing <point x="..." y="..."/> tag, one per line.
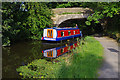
<point x="63" y="14"/>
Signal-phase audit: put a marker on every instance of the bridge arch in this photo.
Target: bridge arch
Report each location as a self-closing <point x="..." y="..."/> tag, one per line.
<point x="72" y="22"/>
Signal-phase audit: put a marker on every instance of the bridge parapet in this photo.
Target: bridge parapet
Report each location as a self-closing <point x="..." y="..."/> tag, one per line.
<point x="71" y="10"/>
<point x="63" y="14"/>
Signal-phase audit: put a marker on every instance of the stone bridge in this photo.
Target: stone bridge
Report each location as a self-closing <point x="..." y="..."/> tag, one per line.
<point x="63" y="14"/>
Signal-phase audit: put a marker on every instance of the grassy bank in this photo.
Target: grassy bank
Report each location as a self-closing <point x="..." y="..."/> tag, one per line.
<point x="82" y="62"/>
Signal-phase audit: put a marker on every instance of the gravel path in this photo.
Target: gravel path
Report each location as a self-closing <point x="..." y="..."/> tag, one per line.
<point x="109" y="68"/>
<point x="0" y="68"/>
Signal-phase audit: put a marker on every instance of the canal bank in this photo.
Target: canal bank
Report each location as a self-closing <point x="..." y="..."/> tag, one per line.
<point x="81" y="62"/>
<point x="22" y="53"/>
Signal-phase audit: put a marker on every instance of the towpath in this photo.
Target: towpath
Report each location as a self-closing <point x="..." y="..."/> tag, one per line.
<point x="109" y="68"/>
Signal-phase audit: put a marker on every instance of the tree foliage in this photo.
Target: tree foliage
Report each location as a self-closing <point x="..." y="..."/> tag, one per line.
<point x="24" y="21"/>
<point x="102" y="10"/>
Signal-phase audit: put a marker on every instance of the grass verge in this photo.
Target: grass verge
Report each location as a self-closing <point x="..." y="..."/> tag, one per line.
<point x="82" y="62"/>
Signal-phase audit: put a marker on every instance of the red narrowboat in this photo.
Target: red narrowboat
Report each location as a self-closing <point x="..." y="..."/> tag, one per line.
<point x="58" y="34"/>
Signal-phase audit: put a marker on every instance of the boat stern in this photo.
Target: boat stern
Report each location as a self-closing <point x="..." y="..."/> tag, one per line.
<point x="48" y="39"/>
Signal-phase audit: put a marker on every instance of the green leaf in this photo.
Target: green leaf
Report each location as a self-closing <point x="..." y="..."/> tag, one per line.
<point x="109" y="15"/>
<point x="88" y="23"/>
<point x="96" y="21"/>
<point x="89" y="18"/>
<point x="105" y="11"/>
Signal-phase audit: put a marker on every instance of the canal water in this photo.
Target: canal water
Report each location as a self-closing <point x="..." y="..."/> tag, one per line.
<point x="23" y="53"/>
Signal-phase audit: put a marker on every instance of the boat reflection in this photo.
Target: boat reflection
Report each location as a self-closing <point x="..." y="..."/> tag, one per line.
<point x="58" y="51"/>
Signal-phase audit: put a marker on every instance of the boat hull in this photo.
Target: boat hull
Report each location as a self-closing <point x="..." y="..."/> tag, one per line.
<point x="61" y="38"/>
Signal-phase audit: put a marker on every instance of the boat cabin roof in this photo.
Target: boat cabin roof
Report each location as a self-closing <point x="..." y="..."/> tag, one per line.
<point x="62" y="28"/>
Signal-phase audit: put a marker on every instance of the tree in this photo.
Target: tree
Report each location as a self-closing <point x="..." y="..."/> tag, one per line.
<point x="24" y="20"/>
<point x="102" y="10"/>
<point x="39" y="17"/>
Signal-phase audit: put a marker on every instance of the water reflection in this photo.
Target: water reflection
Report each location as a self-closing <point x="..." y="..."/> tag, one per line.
<point x="23" y="53"/>
<point x="19" y="54"/>
<point x="58" y="51"/>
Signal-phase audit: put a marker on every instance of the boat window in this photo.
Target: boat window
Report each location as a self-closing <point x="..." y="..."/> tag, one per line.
<point x="74" y="32"/>
<point x="49" y="34"/>
<point x="62" y="33"/>
<point x="49" y="53"/>
<point x="62" y="50"/>
<point x="68" y="48"/>
<point x="69" y="33"/>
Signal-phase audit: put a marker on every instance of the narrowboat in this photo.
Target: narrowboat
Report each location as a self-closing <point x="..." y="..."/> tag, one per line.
<point x="58" y="51"/>
<point x="58" y="34"/>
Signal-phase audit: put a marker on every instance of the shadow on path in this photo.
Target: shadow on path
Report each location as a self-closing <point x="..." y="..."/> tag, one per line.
<point x="113" y="50"/>
<point x="109" y="69"/>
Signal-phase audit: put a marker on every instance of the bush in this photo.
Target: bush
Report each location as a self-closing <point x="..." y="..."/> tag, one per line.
<point x="27" y="22"/>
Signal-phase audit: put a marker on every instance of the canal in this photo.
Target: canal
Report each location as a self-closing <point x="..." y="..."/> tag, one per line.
<point x="22" y="53"/>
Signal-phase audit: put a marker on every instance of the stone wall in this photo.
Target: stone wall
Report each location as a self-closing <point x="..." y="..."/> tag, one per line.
<point x="73" y="10"/>
<point x="59" y="17"/>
